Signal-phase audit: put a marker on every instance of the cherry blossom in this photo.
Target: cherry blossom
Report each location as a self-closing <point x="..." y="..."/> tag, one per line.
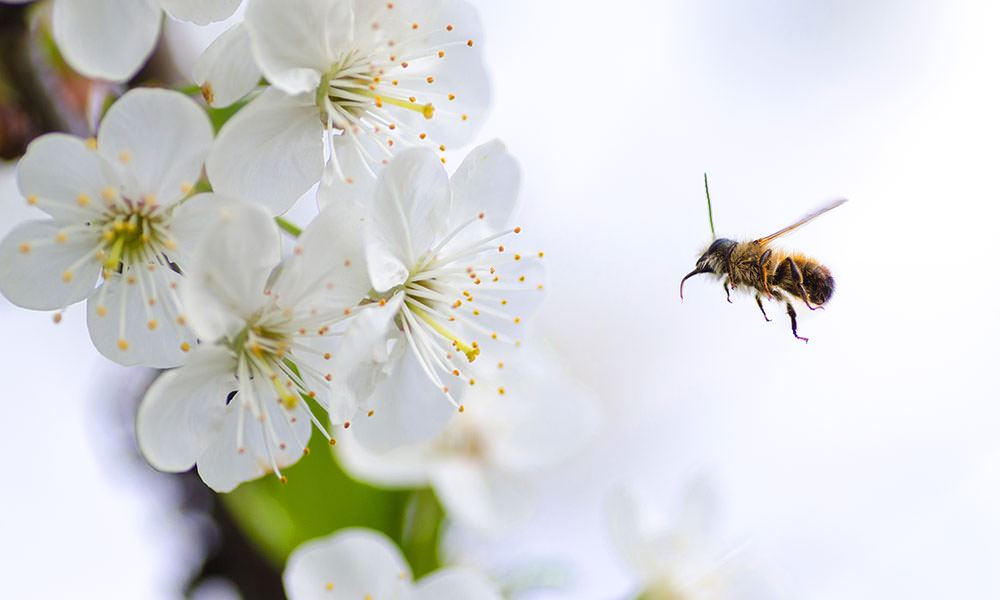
<point x="364" y="78"/>
<point x="238" y="408"/>
<point x="446" y="293"/>
<point x="362" y="563"/>
<point x="116" y="217"/>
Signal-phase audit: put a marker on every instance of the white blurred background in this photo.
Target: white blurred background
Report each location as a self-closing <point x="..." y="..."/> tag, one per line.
<point x="864" y="464"/>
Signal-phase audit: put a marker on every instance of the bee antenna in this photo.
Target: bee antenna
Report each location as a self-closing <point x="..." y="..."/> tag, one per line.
<point x="710" y="223"/>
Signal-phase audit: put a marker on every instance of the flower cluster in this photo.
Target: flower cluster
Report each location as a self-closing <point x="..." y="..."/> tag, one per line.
<point x="392" y="322"/>
<point x="381" y="314"/>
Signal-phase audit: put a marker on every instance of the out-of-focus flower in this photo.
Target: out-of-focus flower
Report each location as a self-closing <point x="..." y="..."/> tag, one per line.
<point x="445" y="292"/>
<point x="680" y="561"/>
<point x="480" y="463"/>
<point x="353" y="564"/>
<point x="111" y="39"/>
<point x="238" y="407"/>
<point x="376" y="76"/>
<point x="115" y="203"/>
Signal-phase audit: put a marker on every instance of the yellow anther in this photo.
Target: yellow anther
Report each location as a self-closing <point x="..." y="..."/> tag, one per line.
<point x="152" y="324"/>
<point x="83" y="200"/>
<point x="91" y="143"/>
<point x="32" y="199"/>
<point x="207" y="92"/>
<point x="67" y="276"/>
<point x="108" y="193"/>
<point x="186" y="188"/>
<point x="61" y="237"/>
<point x="428" y="110"/>
<point x="122" y="344"/>
<point x="185" y="347"/>
<point x="101" y="310"/>
<point x="125" y="156"/>
<point x="24" y="248"/>
<point x="451" y="96"/>
<point x="502" y="391"/>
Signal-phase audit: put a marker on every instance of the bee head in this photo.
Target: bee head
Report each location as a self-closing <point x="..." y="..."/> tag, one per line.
<point x="712" y="261"/>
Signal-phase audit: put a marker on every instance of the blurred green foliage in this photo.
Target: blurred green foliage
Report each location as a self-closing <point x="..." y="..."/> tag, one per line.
<point x="319" y="498"/>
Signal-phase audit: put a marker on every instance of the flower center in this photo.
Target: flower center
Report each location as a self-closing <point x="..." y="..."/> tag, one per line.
<point x="131" y="233"/>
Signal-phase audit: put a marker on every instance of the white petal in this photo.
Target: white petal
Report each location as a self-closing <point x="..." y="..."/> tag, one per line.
<point x="182" y="410"/>
<point x="486" y="499"/>
<point x="327" y="270"/>
<point x="362" y="359"/>
<point x="230" y="460"/>
<point x="225" y="281"/>
<point x="201" y="12"/>
<point x="487" y="181"/>
<point x="294" y="40"/>
<point x="57" y="169"/>
<point x="226" y="70"/>
<point x="270" y="152"/>
<point x="410" y="212"/>
<point x="162" y="136"/>
<point x="409" y="408"/>
<point x="455" y="584"/>
<point x="348" y="174"/>
<point x="35" y="268"/>
<point x="544" y="418"/>
<point x="402" y="467"/>
<point x="106" y="39"/>
<point x="150" y="332"/>
<point x="193" y="219"/>
<point x="352" y="563"/>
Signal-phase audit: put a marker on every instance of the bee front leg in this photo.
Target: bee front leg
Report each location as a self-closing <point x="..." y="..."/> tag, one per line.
<point x="729" y="267"/>
<point x="761" y="306"/>
<point x="791" y="315"/>
<point x="725" y="286"/>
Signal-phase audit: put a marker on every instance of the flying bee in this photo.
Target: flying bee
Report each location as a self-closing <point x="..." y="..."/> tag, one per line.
<point x="772" y="272"/>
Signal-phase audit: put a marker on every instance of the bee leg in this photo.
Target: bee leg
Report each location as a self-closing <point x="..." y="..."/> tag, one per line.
<point x="725" y="286"/>
<point x="729" y="265"/>
<point x="797" y="274"/>
<point x="791" y="315"/>
<point x="761" y="306"/>
<point x="762" y="262"/>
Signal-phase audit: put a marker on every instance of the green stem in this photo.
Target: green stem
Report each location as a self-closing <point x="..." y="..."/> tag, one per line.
<point x="422" y="531"/>
<point x="710" y="223"/>
<point x="288" y="227"/>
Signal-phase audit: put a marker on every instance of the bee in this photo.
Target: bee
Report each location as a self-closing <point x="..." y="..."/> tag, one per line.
<point x="778" y="274"/>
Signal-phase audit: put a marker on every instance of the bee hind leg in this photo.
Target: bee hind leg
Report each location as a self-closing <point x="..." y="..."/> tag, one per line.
<point x="791" y="315"/>
<point x="760" y="305"/>
<point x="797" y="274"/>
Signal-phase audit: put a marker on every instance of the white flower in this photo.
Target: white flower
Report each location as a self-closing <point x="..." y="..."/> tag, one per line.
<point x="111" y="39"/>
<point x="226" y="70"/>
<point x="448" y="293"/>
<point x="353" y="564"/>
<point x="480" y="463"/>
<point x="679" y="561"/>
<point x="376" y="76"/>
<point x="238" y="408"/>
<point x="115" y="210"/>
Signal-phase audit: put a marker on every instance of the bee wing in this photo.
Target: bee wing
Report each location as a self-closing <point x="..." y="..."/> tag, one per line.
<point x="832" y="205"/>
